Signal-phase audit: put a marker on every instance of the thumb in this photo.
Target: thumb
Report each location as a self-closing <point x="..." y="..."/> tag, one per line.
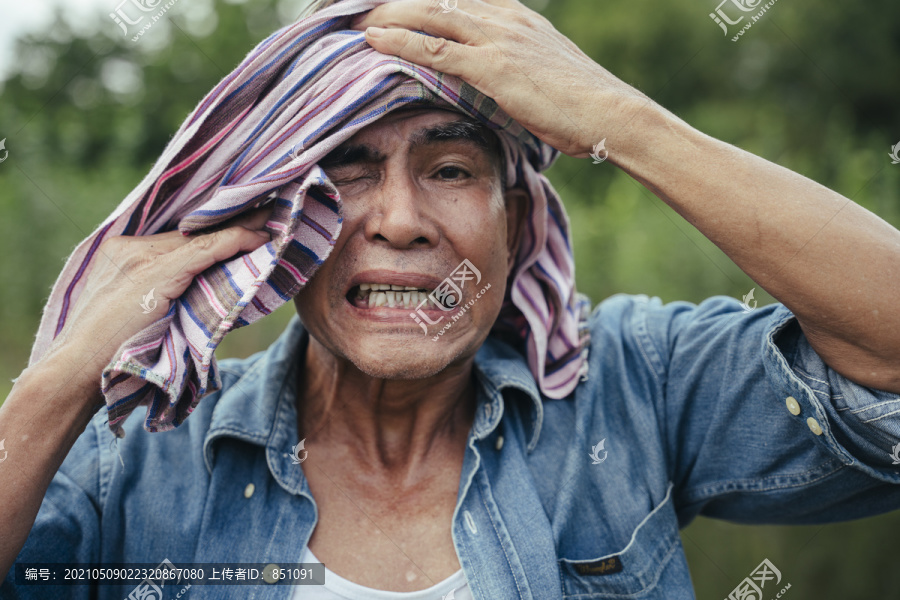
<point x="203" y="251"/>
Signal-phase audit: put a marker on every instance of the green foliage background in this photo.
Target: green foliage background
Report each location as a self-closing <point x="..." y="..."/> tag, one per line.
<point x="811" y="86"/>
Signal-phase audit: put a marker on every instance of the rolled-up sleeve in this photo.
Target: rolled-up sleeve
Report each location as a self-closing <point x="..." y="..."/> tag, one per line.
<point x="756" y="427"/>
<point x="859" y="425"/>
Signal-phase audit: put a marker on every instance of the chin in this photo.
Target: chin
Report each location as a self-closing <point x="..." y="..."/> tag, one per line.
<point x="399" y="360"/>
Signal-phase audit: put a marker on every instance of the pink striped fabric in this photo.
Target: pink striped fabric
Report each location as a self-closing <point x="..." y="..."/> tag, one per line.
<point x="256" y="138"/>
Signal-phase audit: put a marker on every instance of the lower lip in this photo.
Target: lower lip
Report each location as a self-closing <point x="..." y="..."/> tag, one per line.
<point x="398" y="314"/>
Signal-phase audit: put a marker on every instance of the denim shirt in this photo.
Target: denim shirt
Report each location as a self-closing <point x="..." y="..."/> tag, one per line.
<point x="703" y="409"/>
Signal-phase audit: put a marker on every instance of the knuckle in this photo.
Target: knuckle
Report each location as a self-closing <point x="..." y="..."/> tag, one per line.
<point x="204" y="241"/>
<point x="521" y="20"/>
<point x="521" y="17"/>
<point x="434" y="9"/>
<point x="435" y="45"/>
<point x="114" y="244"/>
<point x="518" y="37"/>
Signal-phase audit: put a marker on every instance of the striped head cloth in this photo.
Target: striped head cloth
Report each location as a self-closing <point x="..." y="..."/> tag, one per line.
<point x="256" y="138"/>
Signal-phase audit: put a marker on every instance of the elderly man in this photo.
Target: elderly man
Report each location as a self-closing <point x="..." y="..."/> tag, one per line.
<point x="450" y="464"/>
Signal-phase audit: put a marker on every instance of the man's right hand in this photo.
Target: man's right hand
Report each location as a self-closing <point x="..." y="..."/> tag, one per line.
<point x="54" y="399"/>
<point x="125" y="269"/>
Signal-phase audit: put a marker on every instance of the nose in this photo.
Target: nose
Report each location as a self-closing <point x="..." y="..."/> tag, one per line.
<point x="401" y="214"/>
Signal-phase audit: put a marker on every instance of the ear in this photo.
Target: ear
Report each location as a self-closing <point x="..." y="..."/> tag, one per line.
<point x="517" y="203"/>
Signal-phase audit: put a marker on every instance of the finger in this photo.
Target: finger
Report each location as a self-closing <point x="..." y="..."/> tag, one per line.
<point x="422" y="15"/>
<point x="437" y="53"/>
<point x="252" y="219"/>
<point x="410" y="14"/>
<point x="163" y="243"/>
<point x="168" y="241"/>
<point x="203" y="251"/>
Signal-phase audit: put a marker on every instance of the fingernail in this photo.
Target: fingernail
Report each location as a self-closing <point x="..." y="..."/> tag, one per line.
<point x="374" y="32"/>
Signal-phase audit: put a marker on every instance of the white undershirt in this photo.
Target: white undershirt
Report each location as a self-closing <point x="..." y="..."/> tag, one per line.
<point x="338" y="588"/>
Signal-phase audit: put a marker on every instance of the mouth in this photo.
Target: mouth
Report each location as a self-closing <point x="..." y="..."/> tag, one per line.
<point x="376" y="295"/>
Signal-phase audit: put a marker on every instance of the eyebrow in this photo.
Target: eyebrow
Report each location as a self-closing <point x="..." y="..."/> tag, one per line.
<point x="460" y="131"/>
<point x="452" y="131"/>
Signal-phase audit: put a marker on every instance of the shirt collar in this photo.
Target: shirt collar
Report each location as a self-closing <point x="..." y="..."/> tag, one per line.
<point x="259" y="407"/>
<point x="504" y="375"/>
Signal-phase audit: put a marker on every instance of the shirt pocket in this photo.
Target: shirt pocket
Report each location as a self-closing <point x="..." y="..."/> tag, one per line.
<point x="635" y="569"/>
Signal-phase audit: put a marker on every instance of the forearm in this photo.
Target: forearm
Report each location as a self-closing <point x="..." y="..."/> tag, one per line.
<point x="832" y="262"/>
<point x="48" y="408"/>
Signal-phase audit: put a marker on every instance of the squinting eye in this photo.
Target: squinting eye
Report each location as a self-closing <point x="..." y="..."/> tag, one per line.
<point x="451" y="172"/>
<point x="346" y="178"/>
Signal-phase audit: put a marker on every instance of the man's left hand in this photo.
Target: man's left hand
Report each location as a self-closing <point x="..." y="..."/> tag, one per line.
<point x="513" y="55"/>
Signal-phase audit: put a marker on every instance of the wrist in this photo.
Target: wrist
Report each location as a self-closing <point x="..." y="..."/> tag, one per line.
<point x="653" y="145"/>
<point x="60" y="377"/>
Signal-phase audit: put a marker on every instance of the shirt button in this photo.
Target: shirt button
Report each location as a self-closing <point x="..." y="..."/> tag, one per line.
<point x="248" y="491"/>
<point x="270" y="573"/>
<point x="814" y="426"/>
<point x="499" y="443"/>
<point x="793" y="406"/>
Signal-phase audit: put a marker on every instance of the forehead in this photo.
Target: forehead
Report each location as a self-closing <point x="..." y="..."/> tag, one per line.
<point x="420" y="125"/>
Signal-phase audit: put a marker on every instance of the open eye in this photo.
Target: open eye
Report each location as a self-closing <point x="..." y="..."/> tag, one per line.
<point x="452" y="173"/>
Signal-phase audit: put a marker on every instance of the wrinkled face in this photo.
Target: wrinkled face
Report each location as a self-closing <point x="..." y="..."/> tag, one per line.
<point x="421" y="192"/>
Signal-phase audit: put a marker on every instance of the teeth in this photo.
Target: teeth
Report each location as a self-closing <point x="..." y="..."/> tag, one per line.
<point x="386" y="286"/>
<point x="393" y="296"/>
<point x="405" y="299"/>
